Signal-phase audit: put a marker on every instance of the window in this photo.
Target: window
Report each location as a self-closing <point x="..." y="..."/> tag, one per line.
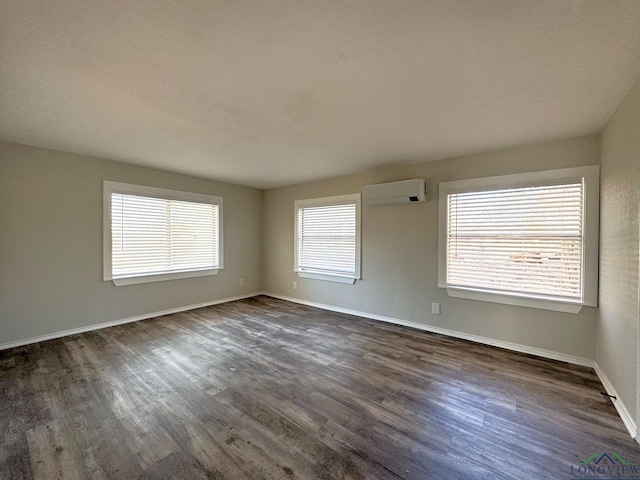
<point x="152" y="234"/>
<point x="327" y="244"/>
<point x="529" y="239"/>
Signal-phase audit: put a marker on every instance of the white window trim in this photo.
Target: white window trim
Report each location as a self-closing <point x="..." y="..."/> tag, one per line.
<point x="110" y="187"/>
<point x="591" y="220"/>
<point x="322" y="202"/>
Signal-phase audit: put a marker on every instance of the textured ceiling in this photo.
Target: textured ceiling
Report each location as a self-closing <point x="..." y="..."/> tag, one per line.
<point x="270" y="93"/>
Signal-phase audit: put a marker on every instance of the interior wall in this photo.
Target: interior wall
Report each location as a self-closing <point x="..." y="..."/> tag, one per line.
<point x="400" y="252"/>
<point x="51" y="244"/>
<point x="617" y="326"/>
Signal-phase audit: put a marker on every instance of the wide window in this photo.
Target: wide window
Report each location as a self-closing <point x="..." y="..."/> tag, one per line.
<point x="522" y="239"/>
<point x="327" y="244"/>
<point x="153" y="234"/>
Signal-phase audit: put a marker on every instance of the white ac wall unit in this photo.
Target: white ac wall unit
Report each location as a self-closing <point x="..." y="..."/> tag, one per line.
<point x="396" y="193"/>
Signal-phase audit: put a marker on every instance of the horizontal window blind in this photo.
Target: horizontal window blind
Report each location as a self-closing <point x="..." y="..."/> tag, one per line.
<point x="155" y="235"/>
<point x="517" y="240"/>
<point x="327" y="239"/>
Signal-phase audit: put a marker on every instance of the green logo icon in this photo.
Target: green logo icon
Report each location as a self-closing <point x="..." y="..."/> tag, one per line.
<point x="614" y="458"/>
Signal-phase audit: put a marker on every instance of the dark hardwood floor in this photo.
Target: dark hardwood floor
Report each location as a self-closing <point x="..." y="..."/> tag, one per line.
<point x="262" y="388"/>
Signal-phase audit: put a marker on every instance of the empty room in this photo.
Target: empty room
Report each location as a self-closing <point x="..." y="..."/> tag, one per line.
<point x="319" y="239"/>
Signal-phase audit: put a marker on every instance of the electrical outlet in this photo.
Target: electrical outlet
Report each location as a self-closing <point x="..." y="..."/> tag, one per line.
<point x="435" y="308"/>
<point x="295" y="285"/>
<point x="242" y="282"/>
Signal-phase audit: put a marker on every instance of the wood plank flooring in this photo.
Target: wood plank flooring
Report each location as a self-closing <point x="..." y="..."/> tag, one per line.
<point x="266" y="389"/>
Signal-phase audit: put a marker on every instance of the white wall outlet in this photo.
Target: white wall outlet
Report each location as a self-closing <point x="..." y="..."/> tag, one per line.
<point x="435" y="308"/>
<point x="241" y="282"/>
<point x="295" y="285"/>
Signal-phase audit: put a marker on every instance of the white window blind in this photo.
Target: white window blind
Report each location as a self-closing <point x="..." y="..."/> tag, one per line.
<point x="518" y="240"/>
<point x="328" y="238"/>
<point x="153" y="234"/>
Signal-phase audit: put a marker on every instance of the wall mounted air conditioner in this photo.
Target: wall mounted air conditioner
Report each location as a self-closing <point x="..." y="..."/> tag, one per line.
<point x="396" y="193"/>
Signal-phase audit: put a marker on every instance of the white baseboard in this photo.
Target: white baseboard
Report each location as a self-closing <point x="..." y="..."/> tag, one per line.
<point x="626" y="417"/>
<point x="113" y="323"/>
<point x="585" y="362"/>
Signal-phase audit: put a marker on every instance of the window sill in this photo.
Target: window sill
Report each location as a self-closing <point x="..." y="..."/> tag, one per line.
<point x="327" y="277"/>
<point x="506" y="299"/>
<point x="161" y="277"/>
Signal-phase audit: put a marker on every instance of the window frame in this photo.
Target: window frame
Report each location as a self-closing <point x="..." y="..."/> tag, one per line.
<point x="590" y="218"/>
<point x="110" y="187"/>
<point x="324" y="202"/>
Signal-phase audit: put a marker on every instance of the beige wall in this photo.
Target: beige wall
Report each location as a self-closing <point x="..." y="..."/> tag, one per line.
<point x="617" y="322"/>
<point x="51" y="248"/>
<point x="51" y="244"/>
<point x="400" y="253"/>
